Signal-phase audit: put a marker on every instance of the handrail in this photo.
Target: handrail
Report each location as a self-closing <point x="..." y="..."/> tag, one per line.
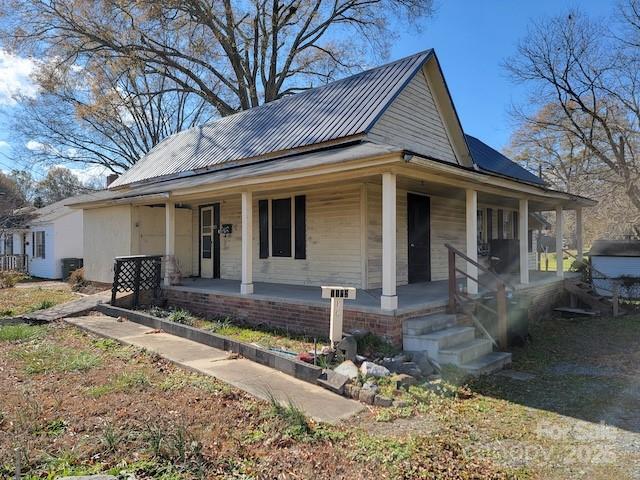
<point x="479" y="267"/>
<point x="501" y="285"/>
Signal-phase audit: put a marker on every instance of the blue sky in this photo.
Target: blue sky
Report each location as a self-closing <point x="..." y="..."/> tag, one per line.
<point x="471" y="37"/>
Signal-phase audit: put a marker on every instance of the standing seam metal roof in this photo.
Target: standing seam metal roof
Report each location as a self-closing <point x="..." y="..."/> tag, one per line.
<point x="337" y="110"/>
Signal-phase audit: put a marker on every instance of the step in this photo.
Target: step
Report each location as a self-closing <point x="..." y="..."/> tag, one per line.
<point x="435" y="341"/>
<point x="489" y="363"/>
<point x="428" y="323"/>
<point x="465" y="352"/>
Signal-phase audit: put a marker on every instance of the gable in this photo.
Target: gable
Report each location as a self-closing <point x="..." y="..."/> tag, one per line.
<point x="414" y="122"/>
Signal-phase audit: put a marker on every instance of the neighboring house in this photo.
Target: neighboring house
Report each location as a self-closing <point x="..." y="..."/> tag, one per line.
<point x="41" y="238"/>
<point x="360" y="182"/>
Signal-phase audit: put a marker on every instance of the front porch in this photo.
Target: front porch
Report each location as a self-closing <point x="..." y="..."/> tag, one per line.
<point x="412" y="298"/>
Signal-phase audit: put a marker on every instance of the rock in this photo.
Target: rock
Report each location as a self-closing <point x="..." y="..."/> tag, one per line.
<point x="354" y="391"/>
<point x="403" y="380"/>
<point x="367" y="396"/>
<point x="373" y="370"/>
<point x="333" y="381"/>
<point x="425" y="366"/>
<point x="400" y="403"/>
<point x="359" y="332"/>
<point x="370" y="385"/>
<point x="382" y="401"/>
<point x="348" y="347"/>
<point x="348" y="369"/>
<point x="306" y="357"/>
<point x="360" y="358"/>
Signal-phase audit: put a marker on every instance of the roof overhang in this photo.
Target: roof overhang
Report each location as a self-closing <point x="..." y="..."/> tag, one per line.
<point x="133" y="198"/>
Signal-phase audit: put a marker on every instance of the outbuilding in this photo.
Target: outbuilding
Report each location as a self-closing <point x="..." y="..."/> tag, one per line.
<point x="615" y="259"/>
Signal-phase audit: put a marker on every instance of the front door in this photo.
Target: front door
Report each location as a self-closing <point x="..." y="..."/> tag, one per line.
<point x="210" y="241"/>
<point x="418" y="225"/>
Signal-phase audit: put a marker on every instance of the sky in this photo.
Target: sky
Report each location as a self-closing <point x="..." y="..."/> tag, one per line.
<point x="472" y="38"/>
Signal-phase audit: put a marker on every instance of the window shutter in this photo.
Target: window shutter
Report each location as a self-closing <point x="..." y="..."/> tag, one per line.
<point x="500" y="224"/>
<point x="43" y="246"/>
<point x="263" y="226"/>
<point x="301" y="227"/>
<point x="281" y="227"/>
<point x="33" y="244"/>
<point x="515" y="225"/>
<point x="489" y="225"/>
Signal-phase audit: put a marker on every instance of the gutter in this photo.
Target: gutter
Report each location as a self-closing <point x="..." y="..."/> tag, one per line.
<point x="126" y="200"/>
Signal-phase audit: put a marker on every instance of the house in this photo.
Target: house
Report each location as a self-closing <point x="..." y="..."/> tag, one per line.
<point x="39" y="239"/>
<point x="362" y="182"/>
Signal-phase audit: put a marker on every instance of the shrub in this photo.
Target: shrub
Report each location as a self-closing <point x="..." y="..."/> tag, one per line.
<point x="9" y="279"/>
<point x="77" y="280"/>
<point x="181" y="316"/>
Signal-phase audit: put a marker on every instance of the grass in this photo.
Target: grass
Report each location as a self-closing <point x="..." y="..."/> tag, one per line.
<point x="20" y="332"/>
<point x="17" y="301"/>
<point x="123" y="382"/>
<point x="553" y="261"/>
<point x="49" y="358"/>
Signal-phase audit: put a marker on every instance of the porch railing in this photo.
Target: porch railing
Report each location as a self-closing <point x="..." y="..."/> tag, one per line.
<point x="458" y="298"/>
<point x="17" y="263"/>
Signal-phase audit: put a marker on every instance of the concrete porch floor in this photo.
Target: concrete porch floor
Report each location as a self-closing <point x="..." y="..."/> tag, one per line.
<point x="413" y="296"/>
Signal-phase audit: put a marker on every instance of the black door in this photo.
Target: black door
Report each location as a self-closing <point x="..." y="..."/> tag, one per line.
<point x="418" y="222"/>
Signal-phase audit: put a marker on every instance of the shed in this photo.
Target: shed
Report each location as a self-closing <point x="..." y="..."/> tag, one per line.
<point x="616" y="259"/>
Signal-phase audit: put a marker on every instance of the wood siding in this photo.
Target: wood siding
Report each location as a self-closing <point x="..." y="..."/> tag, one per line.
<point x="413" y="122"/>
<point x="332" y="240"/>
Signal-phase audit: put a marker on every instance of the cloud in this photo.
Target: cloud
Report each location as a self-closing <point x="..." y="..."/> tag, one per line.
<point x="35" y="146"/>
<point x="15" y="78"/>
<point x="4" y="144"/>
<point x="89" y="174"/>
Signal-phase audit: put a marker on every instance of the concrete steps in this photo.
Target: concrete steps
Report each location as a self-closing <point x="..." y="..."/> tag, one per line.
<point x="439" y="336"/>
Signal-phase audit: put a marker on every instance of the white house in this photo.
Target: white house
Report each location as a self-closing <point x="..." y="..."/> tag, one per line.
<point x="39" y="239"/>
<point x="367" y="182"/>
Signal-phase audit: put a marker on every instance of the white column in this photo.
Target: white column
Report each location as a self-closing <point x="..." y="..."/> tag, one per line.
<point x="559" y="252"/>
<point x="170" y="241"/>
<point x="472" y="240"/>
<point x="389" y="299"/>
<point x="246" y="287"/>
<point x="579" y="240"/>
<point x="523" y="231"/>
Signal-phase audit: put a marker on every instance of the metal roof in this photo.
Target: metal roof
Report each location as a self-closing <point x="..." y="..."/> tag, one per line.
<point x="491" y="160"/>
<point x="337" y="110"/>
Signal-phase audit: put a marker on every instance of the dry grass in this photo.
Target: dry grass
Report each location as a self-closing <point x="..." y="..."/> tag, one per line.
<point x="23" y="299"/>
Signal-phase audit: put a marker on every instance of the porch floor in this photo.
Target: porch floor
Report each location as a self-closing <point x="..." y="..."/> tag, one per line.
<point x="410" y="297"/>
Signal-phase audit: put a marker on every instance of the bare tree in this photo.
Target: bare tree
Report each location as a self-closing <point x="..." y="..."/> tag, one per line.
<point x="591" y="76"/>
<point x="233" y="54"/>
<point x="101" y="116"/>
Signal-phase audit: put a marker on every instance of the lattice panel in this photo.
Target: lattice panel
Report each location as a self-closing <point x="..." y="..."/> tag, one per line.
<point x="135" y="274"/>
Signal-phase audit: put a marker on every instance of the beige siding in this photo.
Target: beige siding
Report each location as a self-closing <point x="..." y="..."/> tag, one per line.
<point x="374" y="236"/>
<point x="333" y="240"/>
<point x="149" y="234"/>
<point x="107" y="234"/>
<point x="414" y="122"/>
<point x="448" y="225"/>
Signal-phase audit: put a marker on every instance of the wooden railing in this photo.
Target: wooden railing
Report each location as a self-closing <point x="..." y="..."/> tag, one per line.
<point x="495" y="283"/>
<point x="17" y="263"/>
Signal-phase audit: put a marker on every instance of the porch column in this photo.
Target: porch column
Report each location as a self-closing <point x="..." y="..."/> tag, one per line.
<point x="579" y="241"/>
<point x="472" y="240"/>
<point x="523" y="231"/>
<point x="246" y="286"/>
<point x="170" y="241"/>
<point x="389" y="299"/>
<point x="559" y="232"/>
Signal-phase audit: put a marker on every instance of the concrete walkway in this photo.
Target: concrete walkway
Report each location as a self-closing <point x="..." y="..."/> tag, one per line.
<point x="74" y="307"/>
<point x="256" y="379"/>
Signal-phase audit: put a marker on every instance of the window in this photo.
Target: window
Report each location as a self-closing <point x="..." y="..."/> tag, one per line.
<point x="39" y="245"/>
<point x="286" y="228"/>
<point x="507" y="226"/>
<point x="8" y="244"/>
<point x="530" y="241"/>
<point x="281" y="227"/>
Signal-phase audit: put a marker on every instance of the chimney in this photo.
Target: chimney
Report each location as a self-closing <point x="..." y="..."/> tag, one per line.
<point x="112" y="177"/>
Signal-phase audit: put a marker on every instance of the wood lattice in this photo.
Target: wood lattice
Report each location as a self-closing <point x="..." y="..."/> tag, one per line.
<point x="135" y="274"/>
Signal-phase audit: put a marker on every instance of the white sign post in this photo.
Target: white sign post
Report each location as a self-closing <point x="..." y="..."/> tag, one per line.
<point x="337" y="295"/>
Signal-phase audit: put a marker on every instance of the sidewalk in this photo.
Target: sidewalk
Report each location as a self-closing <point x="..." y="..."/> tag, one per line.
<point x="256" y="379"/>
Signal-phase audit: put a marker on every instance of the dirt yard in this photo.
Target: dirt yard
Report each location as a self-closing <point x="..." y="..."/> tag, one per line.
<point x="32" y="295"/>
<point x="73" y="403"/>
